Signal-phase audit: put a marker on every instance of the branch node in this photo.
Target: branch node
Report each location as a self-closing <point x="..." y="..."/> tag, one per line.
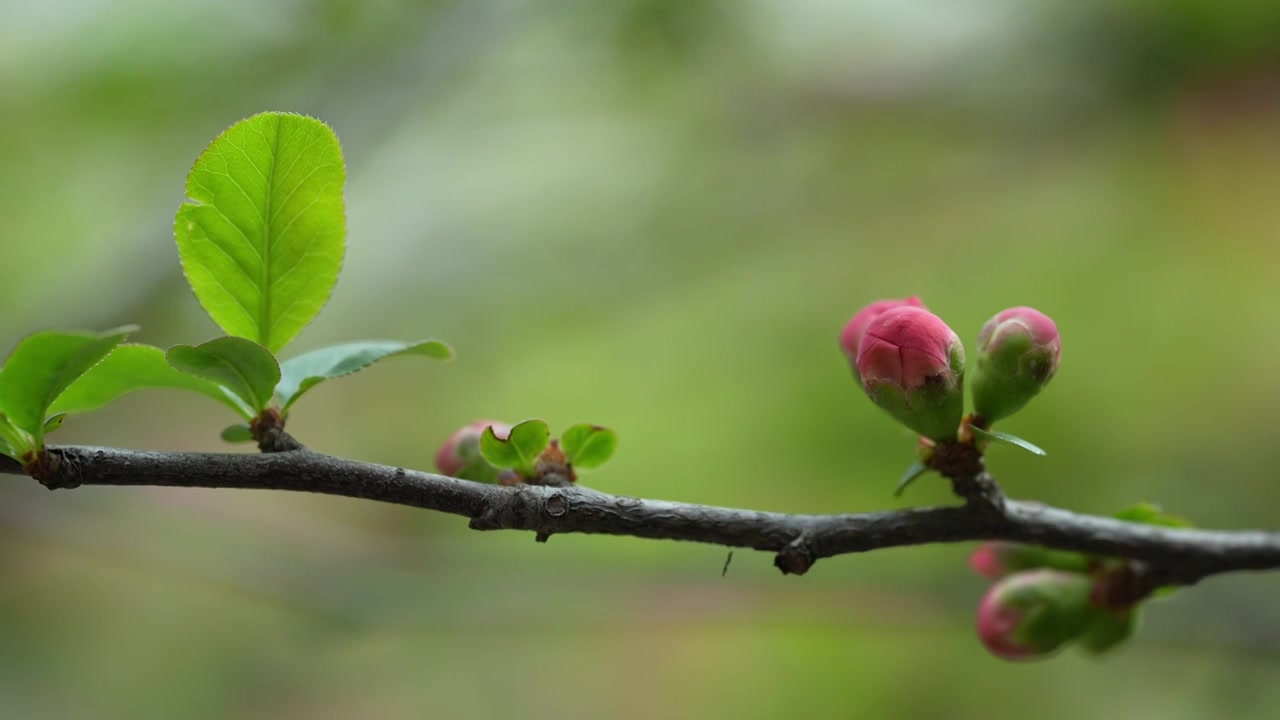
<point x="268" y="431"/>
<point x="55" y="470"/>
<point x="794" y="559"/>
<point x="486" y="520"/>
<point x="962" y="464"/>
<point x="556" y="505"/>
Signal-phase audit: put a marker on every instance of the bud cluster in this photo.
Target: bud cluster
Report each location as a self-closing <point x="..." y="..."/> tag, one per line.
<point x="912" y="365"/>
<point x="1043" y="600"/>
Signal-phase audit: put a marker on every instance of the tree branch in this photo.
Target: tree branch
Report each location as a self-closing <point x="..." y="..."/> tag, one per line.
<point x="1168" y="555"/>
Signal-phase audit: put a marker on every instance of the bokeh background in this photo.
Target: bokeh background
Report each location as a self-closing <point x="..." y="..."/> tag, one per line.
<point x="656" y="215"/>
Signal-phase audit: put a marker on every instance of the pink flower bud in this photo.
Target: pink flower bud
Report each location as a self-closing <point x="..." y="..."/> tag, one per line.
<point x="857" y="325"/>
<point x="462" y="449"/>
<point x="912" y="365"/>
<point x="997" y="559"/>
<point x="1018" y="353"/>
<point x="987" y="560"/>
<point x="1033" y="613"/>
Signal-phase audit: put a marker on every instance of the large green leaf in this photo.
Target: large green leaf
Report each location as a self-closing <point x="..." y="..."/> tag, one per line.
<point x="520" y="450"/>
<point x="588" y="446"/>
<point x="130" y="368"/>
<point x="243" y="367"/>
<point x="262" y="235"/>
<point x="42" y="366"/>
<point x="300" y="374"/>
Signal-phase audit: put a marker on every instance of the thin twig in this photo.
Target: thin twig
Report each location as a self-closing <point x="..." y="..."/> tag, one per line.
<point x="1176" y="556"/>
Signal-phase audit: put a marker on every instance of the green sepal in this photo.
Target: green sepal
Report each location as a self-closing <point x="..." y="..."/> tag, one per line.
<point x="1006" y="378"/>
<point x="1110" y="629"/>
<point x="933" y="410"/>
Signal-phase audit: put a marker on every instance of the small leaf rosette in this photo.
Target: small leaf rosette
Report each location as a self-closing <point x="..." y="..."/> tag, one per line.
<point x="1017" y="356"/>
<point x="460" y="456"/>
<point x="912" y="366"/>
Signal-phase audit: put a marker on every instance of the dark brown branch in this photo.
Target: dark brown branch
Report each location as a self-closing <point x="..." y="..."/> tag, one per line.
<point x="1169" y="555"/>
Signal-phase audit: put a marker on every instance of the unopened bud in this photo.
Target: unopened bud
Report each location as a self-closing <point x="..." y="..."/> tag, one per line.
<point x="1017" y="356"/>
<point x="912" y="365"/>
<point x="460" y="454"/>
<point x="997" y="559"/>
<point x="1033" y="613"/>
<point x="857" y="326"/>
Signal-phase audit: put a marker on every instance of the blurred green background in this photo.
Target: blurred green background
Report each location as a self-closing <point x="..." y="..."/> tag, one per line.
<point x="656" y="215"/>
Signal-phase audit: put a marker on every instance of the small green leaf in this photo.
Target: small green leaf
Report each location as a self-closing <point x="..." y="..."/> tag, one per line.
<point x="261" y="237"/>
<point x="130" y="368"/>
<point x="1008" y="439"/>
<point x="13" y="442"/>
<point x="243" y="367"/>
<point x="237" y="433"/>
<point x="915" y="470"/>
<point x="53" y="422"/>
<point x="520" y="450"/>
<point x="45" y="364"/>
<point x="301" y="373"/>
<point x="1149" y="514"/>
<point x="588" y="446"/>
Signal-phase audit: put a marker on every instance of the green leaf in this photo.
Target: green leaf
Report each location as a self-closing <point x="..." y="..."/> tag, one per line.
<point x="42" y="366"/>
<point x="13" y="442"/>
<point x="261" y="237"/>
<point x="237" y="433"/>
<point x="54" y="422"/>
<point x="915" y="470"/>
<point x="520" y="450"/>
<point x="1149" y="514"/>
<point x="243" y="367"/>
<point x="130" y="368"/>
<point x="1008" y="439"/>
<point x="301" y="373"/>
<point x="588" y="446"/>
